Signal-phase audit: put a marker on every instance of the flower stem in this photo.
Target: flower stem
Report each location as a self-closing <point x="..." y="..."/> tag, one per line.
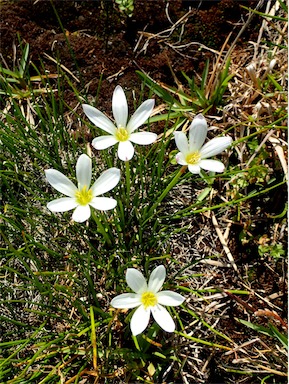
<point x="101" y="229"/>
<point x="127" y="179"/>
<point x="93" y="339"/>
<point x="136" y="342"/>
<point x="165" y="192"/>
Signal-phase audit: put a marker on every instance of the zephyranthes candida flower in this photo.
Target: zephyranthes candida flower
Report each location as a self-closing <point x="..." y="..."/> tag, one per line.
<point x="149" y="299"/>
<point x="122" y="131"/>
<point x="83" y="196"/>
<point x="194" y="154"/>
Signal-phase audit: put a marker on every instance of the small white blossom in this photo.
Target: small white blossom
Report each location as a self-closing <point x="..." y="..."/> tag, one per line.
<point x="123" y="131"/>
<point x="149" y="299"/>
<point x="194" y="154"/>
<point x="83" y="196"/>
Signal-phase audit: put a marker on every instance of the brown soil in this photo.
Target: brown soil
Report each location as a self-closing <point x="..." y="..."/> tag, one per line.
<point x="97" y="42"/>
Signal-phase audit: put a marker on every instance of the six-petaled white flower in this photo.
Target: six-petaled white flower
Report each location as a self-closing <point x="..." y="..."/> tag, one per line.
<point x="194" y="154"/>
<point x="83" y="196"/>
<point x="149" y="299"/>
<point x="123" y="131"/>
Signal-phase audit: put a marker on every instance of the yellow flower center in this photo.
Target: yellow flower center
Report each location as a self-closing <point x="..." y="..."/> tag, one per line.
<point x="193" y="158"/>
<point x="148" y="299"/>
<point x="121" y="134"/>
<point x="84" y="196"/>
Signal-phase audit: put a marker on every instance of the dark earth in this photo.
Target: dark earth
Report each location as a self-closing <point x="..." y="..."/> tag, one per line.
<point x="105" y="42"/>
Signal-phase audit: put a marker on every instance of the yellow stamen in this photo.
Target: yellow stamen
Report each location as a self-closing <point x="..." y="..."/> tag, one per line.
<point x="148" y="299"/>
<point x="193" y="158"/>
<point x="84" y="196"/>
<point x="121" y="134"/>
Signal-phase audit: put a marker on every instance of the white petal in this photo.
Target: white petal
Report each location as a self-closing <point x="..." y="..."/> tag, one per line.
<point x="126" y="300"/>
<point x="135" y="280"/>
<point x="119" y="107"/>
<point x="139" y="320"/>
<point x="125" y="150"/>
<point x="180" y="159"/>
<point x="212" y="165"/>
<point x="181" y="142"/>
<point x="197" y="133"/>
<point x="106" y="181"/>
<point x="81" y="213"/>
<point x="99" y="119"/>
<point x="60" y="182"/>
<point x="157" y="279"/>
<point x="215" y="146"/>
<point x="143" y="138"/>
<point x="103" y="142"/>
<point x="163" y="318"/>
<point x="103" y="203"/>
<point x="83" y="171"/>
<point x="141" y="115"/>
<point x="195" y="169"/>
<point x="62" y="205"/>
<point x="170" y="298"/>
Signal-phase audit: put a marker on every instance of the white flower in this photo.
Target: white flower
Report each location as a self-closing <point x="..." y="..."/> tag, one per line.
<point x="122" y="132"/>
<point x="83" y="196"/>
<point x="194" y="154"/>
<point x="148" y="299"/>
